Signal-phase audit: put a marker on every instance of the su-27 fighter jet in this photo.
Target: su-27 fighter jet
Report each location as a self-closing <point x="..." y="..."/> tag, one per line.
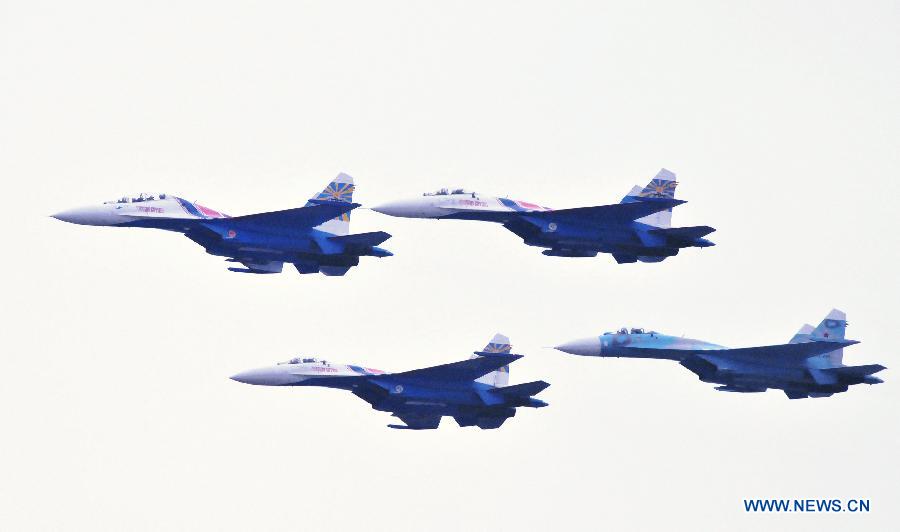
<point x="810" y="365"/>
<point x="473" y="391"/>
<point x="314" y="238"/>
<point x="636" y="229"/>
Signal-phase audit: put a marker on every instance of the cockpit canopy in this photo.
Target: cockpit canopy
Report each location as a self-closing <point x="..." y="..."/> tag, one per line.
<point x="625" y="330"/>
<point x="449" y="192"/>
<point x="143" y="196"/>
<point x="304" y="360"/>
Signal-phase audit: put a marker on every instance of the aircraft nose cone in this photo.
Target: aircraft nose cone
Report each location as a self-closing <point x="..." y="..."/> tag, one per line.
<point x="391" y="208"/>
<point x="266" y="377"/>
<point x="405" y="209"/>
<point x="587" y="347"/>
<point x="86" y="216"/>
<point x="253" y="376"/>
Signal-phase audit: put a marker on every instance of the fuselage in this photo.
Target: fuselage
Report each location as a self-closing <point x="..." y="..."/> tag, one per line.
<point x="737" y="370"/>
<point x="305" y="372"/>
<point x="171" y="213"/>
<point x="396" y="392"/>
<point x="159" y="211"/>
<point x="616" y="344"/>
<point x="457" y="204"/>
<point x="262" y="242"/>
<point x="567" y="233"/>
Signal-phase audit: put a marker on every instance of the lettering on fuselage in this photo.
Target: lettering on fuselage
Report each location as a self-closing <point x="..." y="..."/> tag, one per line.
<point x="142" y="208"/>
<point x="472" y="203"/>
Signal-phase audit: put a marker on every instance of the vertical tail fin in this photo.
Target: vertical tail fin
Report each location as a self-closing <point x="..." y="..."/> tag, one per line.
<point x="661" y="186"/>
<point x="802" y="335"/>
<point x="498" y="344"/>
<point x="340" y="189"/>
<point x="834" y="326"/>
<point x="633" y="194"/>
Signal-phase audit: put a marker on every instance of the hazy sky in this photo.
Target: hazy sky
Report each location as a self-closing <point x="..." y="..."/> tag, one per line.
<point x="780" y="119"/>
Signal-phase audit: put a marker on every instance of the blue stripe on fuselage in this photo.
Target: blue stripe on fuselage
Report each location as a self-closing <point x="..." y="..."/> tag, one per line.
<point x="512" y="204"/>
<point x="189" y="207"/>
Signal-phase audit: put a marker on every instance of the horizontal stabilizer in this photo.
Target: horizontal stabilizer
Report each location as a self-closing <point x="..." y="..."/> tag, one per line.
<point x="299" y="218"/>
<point x="465" y="370"/>
<point x="685" y="234"/>
<point x="855" y="371"/>
<point x="618" y="213"/>
<point x="361" y="239"/>
<point x="522" y="390"/>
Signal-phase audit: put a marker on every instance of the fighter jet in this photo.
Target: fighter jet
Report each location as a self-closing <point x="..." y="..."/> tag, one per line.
<point x="473" y="391"/>
<point x="314" y="238"/>
<point x="810" y="365"/>
<point x="636" y="229"/>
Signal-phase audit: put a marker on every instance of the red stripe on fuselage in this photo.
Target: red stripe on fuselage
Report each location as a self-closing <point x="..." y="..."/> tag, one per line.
<point x="209" y="212"/>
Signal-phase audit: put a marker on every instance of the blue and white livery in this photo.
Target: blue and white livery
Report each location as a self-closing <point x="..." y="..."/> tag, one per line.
<point x="636" y="229"/>
<point x="809" y="365"/>
<point x="314" y="238"/>
<point x="474" y="392"/>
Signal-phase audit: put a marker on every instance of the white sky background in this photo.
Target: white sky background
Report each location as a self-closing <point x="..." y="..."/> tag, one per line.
<point x="780" y="119"/>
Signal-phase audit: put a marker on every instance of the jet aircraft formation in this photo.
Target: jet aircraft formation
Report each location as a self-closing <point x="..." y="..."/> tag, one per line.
<point x="316" y="238"/>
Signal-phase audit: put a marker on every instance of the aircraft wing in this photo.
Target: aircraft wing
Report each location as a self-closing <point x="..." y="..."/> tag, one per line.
<point x="785" y="351"/>
<point x="299" y="218"/>
<point x="617" y="213"/>
<point x="465" y="370"/>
